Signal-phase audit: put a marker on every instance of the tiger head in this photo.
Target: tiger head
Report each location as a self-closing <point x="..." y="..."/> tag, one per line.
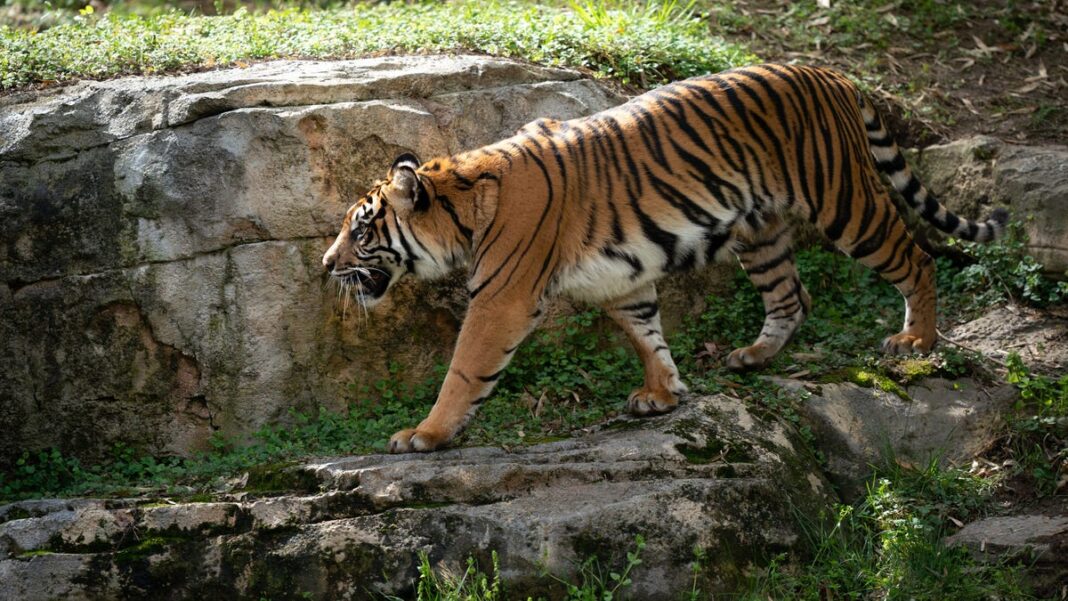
<point x="389" y="232"/>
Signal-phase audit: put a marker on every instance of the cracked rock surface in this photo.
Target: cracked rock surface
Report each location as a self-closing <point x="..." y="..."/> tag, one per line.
<point x="160" y="242"/>
<point x="711" y="474"/>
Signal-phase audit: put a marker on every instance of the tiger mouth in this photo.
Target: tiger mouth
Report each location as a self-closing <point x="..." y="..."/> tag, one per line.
<point x="370" y="281"/>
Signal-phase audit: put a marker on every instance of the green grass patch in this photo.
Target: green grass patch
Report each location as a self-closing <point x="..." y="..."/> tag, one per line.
<point x="889" y="545"/>
<point x="1037" y="437"/>
<point x="640" y="44"/>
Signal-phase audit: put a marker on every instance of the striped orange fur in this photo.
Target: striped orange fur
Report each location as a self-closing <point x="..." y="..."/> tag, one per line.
<point x="599" y="208"/>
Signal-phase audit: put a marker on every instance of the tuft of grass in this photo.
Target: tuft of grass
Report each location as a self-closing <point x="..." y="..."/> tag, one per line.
<point x="642" y="44"/>
<point x="1037" y="437"/>
<point x="446" y="585"/>
<point x="890" y="545"/>
<point x="595" y="582"/>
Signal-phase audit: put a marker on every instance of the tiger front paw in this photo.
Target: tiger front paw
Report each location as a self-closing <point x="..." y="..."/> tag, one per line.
<point x="904" y="344"/>
<point x="643" y="402"/>
<point x="415" y="440"/>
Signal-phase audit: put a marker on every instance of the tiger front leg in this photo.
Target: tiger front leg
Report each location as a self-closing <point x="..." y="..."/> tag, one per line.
<point x="488" y="338"/>
<point x="639" y="316"/>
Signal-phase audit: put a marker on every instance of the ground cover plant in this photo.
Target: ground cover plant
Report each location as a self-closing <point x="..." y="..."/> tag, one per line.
<point x="643" y="46"/>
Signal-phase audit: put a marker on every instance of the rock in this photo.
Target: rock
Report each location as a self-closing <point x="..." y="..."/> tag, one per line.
<point x="1038" y="541"/>
<point x="711" y="474"/>
<point x="160" y="241"/>
<point x="1039" y="337"/>
<point x="856" y="427"/>
<point x="973" y="175"/>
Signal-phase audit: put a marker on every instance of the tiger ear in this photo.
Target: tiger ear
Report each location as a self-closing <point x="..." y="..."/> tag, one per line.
<point x="406" y="192"/>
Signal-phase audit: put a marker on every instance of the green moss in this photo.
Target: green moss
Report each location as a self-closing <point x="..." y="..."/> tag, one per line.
<point x="915" y="369"/>
<point x="16" y="513"/>
<point x="712" y="452"/>
<point x="147" y="547"/>
<point x="34" y="553"/>
<point x="281" y="476"/>
<point x="866" y="379"/>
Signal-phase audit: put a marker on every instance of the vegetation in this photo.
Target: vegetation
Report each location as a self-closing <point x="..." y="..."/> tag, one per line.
<point x="1002" y="271"/>
<point x="639" y="44"/>
<point x="595" y="583"/>
<point x="890" y="545"/>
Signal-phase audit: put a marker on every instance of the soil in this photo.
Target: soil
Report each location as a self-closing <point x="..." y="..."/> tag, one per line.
<point x="1003" y="72"/>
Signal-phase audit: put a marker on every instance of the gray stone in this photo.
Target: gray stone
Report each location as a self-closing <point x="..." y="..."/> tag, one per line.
<point x="1039" y="337"/>
<point x="711" y="474"/>
<point x="1039" y="541"/>
<point x="160" y="242"/>
<point x="973" y="175"/>
<point x="857" y="427"/>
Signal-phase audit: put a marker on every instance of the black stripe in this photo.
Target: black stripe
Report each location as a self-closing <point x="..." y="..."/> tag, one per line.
<point x="446" y="204"/>
<point x="492" y="377"/>
<point x="770" y="264"/>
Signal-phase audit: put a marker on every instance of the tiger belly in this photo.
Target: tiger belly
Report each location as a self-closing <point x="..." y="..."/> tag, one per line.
<point x="616" y="270"/>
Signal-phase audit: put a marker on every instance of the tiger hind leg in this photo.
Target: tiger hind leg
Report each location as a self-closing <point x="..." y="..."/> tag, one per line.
<point x="639" y="316"/>
<point x="768" y="259"/>
<point x="883" y="244"/>
<point x="911" y="270"/>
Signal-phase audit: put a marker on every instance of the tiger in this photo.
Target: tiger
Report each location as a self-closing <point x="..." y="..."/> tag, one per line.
<point x="597" y="209"/>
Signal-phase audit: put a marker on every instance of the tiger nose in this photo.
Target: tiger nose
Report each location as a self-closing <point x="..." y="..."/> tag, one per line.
<point x="328" y="263"/>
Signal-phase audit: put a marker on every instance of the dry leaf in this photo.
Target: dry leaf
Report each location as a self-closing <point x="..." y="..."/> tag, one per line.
<point x="1027" y="110"/>
<point x="968" y="104"/>
<point x="1031" y="87"/>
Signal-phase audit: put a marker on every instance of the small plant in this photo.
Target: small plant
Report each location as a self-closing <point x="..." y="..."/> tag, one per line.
<point x="598" y="585"/>
<point x="470" y="585"/>
<point x="1004" y="270"/>
<point x="1037" y="436"/>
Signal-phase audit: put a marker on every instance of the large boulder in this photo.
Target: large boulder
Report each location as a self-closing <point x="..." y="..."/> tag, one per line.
<point x="160" y="241"/>
<point x="975" y="174"/>
<point x="711" y="475"/>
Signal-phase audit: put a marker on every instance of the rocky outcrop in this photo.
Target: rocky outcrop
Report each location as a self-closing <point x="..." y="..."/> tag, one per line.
<point x="858" y="426"/>
<point x="1039" y="337"/>
<point x="712" y="475"/>
<point x="973" y="175"/>
<point x="160" y="242"/>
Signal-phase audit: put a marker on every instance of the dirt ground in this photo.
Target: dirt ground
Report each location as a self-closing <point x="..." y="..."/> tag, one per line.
<point x="1001" y="71"/>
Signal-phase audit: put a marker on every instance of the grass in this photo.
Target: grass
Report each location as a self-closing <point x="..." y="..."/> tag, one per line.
<point x="595" y="582"/>
<point x="639" y="44"/>
<point x="877" y="23"/>
<point x="889" y="545"/>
